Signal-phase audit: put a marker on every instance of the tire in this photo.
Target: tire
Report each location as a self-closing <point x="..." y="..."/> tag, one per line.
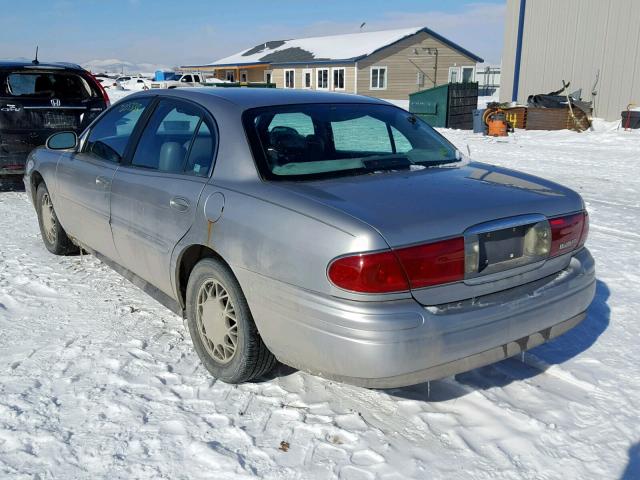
<point x="53" y="235"/>
<point x="222" y="329"/>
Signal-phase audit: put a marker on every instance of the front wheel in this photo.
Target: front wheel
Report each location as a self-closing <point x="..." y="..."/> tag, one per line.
<point x="224" y="334"/>
<point x="53" y="235"/>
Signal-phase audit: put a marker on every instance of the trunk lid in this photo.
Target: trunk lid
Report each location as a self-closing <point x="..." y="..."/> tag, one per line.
<point x="439" y="202"/>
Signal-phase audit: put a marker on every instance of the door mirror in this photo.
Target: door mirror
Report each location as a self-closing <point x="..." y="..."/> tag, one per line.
<point x="62" y="141"/>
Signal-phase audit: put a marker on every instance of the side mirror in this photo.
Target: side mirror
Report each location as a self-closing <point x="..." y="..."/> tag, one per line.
<point x="62" y="141"/>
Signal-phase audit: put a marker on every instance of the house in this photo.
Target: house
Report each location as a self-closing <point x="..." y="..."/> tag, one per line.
<point x="388" y="64"/>
<point x="591" y="43"/>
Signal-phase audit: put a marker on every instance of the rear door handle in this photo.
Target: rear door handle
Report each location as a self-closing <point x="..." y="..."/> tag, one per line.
<point x="179" y="203"/>
<point x="103" y="181"/>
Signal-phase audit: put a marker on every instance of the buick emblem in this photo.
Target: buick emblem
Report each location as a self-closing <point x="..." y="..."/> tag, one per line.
<point x="55" y="102"/>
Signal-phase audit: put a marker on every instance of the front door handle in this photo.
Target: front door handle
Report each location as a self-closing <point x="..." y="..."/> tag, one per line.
<point x="179" y="203"/>
<point x="103" y="181"/>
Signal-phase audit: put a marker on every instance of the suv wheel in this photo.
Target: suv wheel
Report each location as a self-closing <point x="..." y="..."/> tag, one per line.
<point x="224" y="334"/>
<point x="53" y="235"/>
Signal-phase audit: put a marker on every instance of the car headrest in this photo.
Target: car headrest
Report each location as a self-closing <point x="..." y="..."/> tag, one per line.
<point x="171" y="157"/>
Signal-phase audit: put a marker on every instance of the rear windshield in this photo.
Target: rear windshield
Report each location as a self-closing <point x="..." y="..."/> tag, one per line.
<point x="327" y="140"/>
<point x="61" y="85"/>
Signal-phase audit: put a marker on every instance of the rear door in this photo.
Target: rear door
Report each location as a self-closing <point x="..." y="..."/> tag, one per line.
<point x="154" y="196"/>
<point x="84" y="178"/>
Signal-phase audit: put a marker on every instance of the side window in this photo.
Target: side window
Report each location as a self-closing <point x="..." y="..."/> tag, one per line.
<point x="186" y="78"/>
<point x="403" y="145"/>
<point x="166" y="139"/>
<point x="362" y="134"/>
<point x="202" y="151"/>
<point x="108" y="139"/>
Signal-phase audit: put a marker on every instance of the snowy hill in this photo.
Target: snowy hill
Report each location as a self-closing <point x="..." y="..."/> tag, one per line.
<point x="114" y="65"/>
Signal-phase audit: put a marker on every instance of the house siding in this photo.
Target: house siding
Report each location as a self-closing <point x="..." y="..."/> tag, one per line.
<point x="403" y="67"/>
<point x="581" y="37"/>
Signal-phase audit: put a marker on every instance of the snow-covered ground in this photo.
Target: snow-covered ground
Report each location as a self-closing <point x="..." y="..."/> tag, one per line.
<point x="97" y="380"/>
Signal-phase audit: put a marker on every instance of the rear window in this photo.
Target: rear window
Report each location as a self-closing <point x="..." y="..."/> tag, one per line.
<point x="61" y="85"/>
<point x="327" y="140"/>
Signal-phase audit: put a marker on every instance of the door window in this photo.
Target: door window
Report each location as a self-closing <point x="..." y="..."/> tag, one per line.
<point x="108" y="139"/>
<point x="338" y="78"/>
<point x="306" y="76"/>
<point x="289" y="79"/>
<point x="186" y="79"/>
<point x="323" y="79"/>
<point x="467" y="74"/>
<point x="169" y="138"/>
<point x="202" y="151"/>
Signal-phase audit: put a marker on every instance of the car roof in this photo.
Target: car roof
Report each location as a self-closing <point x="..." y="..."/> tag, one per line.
<point x="17" y="64"/>
<point x="246" y="98"/>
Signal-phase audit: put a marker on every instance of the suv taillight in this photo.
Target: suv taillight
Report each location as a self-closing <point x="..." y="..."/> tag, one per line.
<point x="402" y="269"/>
<point x="568" y="233"/>
<point x="105" y="96"/>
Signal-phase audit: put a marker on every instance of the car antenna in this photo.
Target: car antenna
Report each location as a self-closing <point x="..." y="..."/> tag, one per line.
<point x="35" y="60"/>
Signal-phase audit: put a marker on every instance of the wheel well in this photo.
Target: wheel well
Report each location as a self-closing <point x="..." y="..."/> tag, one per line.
<point x="36" y="180"/>
<point x="189" y="258"/>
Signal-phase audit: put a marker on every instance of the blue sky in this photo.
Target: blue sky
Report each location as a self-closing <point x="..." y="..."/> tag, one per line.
<point x="183" y="32"/>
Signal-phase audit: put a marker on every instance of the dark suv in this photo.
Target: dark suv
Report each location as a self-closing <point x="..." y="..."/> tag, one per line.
<point x="38" y="99"/>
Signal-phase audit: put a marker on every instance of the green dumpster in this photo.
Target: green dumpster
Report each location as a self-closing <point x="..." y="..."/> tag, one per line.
<point x="447" y="106"/>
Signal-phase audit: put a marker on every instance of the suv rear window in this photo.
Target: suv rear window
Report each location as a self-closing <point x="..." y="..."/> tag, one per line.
<point x="62" y="85"/>
<point x="328" y="140"/>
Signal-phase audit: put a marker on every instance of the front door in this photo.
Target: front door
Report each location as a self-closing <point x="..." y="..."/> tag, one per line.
<point x="154" y="197"/>
<point x="84" y="178"/>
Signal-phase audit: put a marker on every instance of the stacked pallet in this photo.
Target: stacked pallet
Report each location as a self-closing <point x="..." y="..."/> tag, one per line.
<point x="557" y="119"/>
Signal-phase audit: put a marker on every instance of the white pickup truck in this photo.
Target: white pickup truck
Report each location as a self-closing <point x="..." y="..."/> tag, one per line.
<point x="179" y="80"/>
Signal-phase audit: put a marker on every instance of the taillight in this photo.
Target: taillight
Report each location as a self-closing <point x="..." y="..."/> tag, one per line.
<point x="369" y="273"/>
<point x="585" y="230"/>
<point x="447" y="261"/>
<point x="433" y="263"/>
<point x="567" y="233"/>
<point x="105" y="96"/>
<point x="402" y="269"/>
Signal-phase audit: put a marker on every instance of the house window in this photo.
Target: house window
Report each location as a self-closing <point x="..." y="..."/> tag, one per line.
<point x="307" y="75"/>
<point x="338" y="78"/>
<point x="378" y="78"/>
<point x="289" y="79"/>
<point x="468" y="74"/>
<point x="230" y="76"/>
<point x="454" y="74"/>
<point x="323" y="79"/>
<point x="267" y="76"/>
<point x="244" y="76"/>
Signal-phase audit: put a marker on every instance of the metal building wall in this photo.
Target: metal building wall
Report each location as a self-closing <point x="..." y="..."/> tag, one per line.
<point x="572" y="40"/>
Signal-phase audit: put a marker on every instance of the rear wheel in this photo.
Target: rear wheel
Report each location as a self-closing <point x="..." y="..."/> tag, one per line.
<point x="53" y="235"/>
<point x="224" y="334"/>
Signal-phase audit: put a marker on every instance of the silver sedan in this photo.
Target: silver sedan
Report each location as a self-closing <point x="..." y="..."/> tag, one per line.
<point x="335" y="233"/>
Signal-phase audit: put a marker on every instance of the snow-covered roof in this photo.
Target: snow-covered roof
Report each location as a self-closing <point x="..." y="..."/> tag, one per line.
<point x="345" y="47"/>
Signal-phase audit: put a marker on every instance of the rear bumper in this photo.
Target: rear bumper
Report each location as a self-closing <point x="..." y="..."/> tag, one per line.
<point x="15" y="148"/>
<point x="398" y="343"/>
